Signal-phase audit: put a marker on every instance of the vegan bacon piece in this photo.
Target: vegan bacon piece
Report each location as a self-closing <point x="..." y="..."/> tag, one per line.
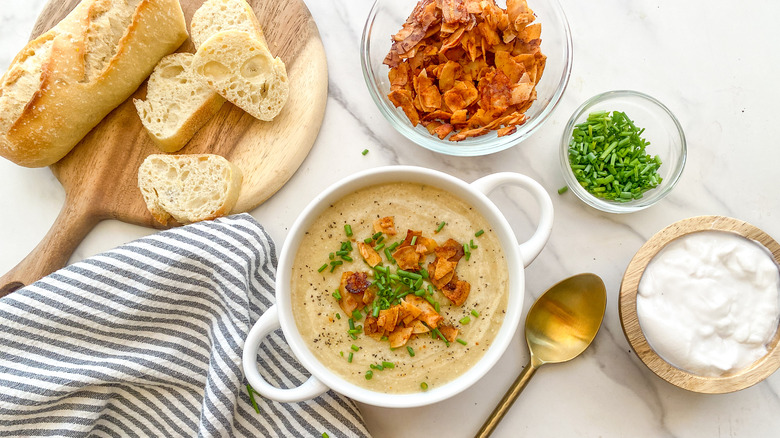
<point x="463" y="68"/>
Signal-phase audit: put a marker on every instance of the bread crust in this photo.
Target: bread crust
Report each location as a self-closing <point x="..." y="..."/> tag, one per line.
<point x="66" y="106"/>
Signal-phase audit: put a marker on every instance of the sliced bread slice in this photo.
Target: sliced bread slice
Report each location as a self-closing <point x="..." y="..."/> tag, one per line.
<point x="178" y="103"/>
<point x="220" y="15"/>
<point x="243" y="71"/>
<point x="189" y="188"/>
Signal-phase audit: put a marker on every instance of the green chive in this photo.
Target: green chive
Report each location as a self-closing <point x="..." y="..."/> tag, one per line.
<point x="251" y="392"/>
<point x="410" y="350"/>
<point x="375" y="313"/>
<point x="323" y="267"/>
<point x="377" y="235"/>
<point x="348" y="230"/>
<point x="414" y="240"/>
<point x="563" y="190"/>
<point x="349" y="359"/>
<point x="475" y="313"/>
<point x="356" y="315"/>
<point x="369" y="374"/>
<point x="471" y="244"/>
<point x="389" y="256"/>
<point x="354" y="347"/>
<point x="337" y="295"/>
<point x="461" y="341"/>
<point x="441" y="225"/>
<point x="338" y="316"/>
<point x="376" y="367"/>
<point x="394" y="246"/>
<point x="388" y="365"/>
<point x="351" y="324"/>
<point x="379" y="247"/>
<point x="424" y="386"/>
<point x="368" y="240"/>
<point x="365" y="151"/>
<point x="346" y="258"/>
<point x="465" y="320"/>
<point x="479" y="233"/>
<point x="436" y="307"/>
<point x="325" y="434"/>
<point x="608" y="157"/>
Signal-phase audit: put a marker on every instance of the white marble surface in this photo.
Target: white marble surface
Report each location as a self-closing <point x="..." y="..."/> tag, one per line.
<point x="714" y="64"/>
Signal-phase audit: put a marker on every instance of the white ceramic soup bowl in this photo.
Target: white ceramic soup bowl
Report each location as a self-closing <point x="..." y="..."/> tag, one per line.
<point x="518" y="256"/>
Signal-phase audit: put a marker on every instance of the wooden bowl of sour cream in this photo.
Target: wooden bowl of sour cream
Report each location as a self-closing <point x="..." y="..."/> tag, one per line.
<point x="684" y="332"/>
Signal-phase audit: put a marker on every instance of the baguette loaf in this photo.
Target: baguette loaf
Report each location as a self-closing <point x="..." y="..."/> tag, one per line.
<point x="216" y="16"/>
<point x="189" y="188"/>
<point x="177" y="103"/>
<point x="64" y="82"/>
<point x="242" y="70"/>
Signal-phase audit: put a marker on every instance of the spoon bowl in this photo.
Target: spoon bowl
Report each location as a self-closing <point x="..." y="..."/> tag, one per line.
<point x="560" y="325"/>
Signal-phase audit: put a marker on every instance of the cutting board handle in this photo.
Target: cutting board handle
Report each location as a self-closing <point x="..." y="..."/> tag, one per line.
<point x="69" y="229"/>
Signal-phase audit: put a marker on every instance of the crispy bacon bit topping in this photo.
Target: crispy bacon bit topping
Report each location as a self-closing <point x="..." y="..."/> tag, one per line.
<point x="470" y="58"/>
<point x="457" y="291"/>
<point x="449" y="332"/>
<point x="369" y="255"/>
<point x="385" y="225"/>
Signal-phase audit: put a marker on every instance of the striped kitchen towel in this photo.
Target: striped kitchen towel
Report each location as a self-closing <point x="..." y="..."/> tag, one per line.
<point x="145" y="341"/>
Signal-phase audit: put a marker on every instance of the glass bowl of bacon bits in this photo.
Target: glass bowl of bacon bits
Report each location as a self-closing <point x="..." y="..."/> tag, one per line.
<point x="466" y="77"/>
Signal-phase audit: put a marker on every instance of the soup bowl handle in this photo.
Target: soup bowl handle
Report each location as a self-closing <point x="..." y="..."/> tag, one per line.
<point x="533" y="246"/>
<point x="265" y="325"/>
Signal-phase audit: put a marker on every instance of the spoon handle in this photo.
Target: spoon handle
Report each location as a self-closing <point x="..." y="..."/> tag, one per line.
<point x="506" y="402"/>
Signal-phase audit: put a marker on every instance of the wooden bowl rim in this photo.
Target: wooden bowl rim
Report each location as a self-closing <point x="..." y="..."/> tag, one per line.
<point x="735" y="381"/>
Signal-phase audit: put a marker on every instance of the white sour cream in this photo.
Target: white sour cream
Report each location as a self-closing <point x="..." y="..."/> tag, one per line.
<point x="709" y="302"/>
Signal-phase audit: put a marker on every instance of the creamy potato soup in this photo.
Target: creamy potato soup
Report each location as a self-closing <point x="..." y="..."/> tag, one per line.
<point x="399" y="287"/>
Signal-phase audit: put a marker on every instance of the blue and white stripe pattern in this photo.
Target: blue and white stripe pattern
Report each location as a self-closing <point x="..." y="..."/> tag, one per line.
<point x="145" y="341"/>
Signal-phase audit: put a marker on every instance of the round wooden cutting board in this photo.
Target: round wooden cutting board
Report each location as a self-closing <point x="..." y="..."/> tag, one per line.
<point x="100" y="174"/>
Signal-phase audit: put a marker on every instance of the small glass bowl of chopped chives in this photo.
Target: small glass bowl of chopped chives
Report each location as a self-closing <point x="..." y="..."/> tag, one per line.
<point x="622" y="151"/>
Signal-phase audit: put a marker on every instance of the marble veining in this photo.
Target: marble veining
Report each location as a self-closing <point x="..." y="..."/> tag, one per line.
<point x="713" y="63"/>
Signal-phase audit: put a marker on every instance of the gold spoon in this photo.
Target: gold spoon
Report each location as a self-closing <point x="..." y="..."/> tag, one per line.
<point x="560" y="325"/>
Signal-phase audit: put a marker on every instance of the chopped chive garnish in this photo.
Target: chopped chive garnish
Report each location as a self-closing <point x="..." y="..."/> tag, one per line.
<point x="436" y="307"/>
<point x="424" y="386"/>
<point x="441" y="225"/>
<point x="251" y="392"/>
<point x="349" y="359"/>
<point x="356" y="315"/>
<point x="389" y="256"/>
<point x="438" y="334"/>
<point x="368" y="240"/>
<point x="379" y="247"/>
<point x="338" y="316"/>
<point x="377" y="235"/>
<point x="394" y="246"/>
<point x="376" y="367"/>
<point x="410" y="350"/>
<point x="355" y="330"/>
<point x="607" y="156"/>
<point x="461" y="341"/>
<point x="465" y="320"/>
<point x="563" y="190"/>
<point x="354" y="347"/>
<point x="375" y="313"/>
<point x="351" y="323"/>
<point x="365" y="151"/>
<point x="325" y="434"/>
<point x="424" y="273"/>
<point x="348" y="230"/>
<point x="414" y="240"/>
<point x="346" y="258"/>
<point x="475" y="313"/>
<point x="341" y="353"/>
<point x="479" y="233"/>
<point x="471" y="244"/>
<point x="323" y="267"/>
<point x="331" y="256"/>
<point x="369" y="374"/>
<point x="337" y="295"/>
<point x="388" y="365"/>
